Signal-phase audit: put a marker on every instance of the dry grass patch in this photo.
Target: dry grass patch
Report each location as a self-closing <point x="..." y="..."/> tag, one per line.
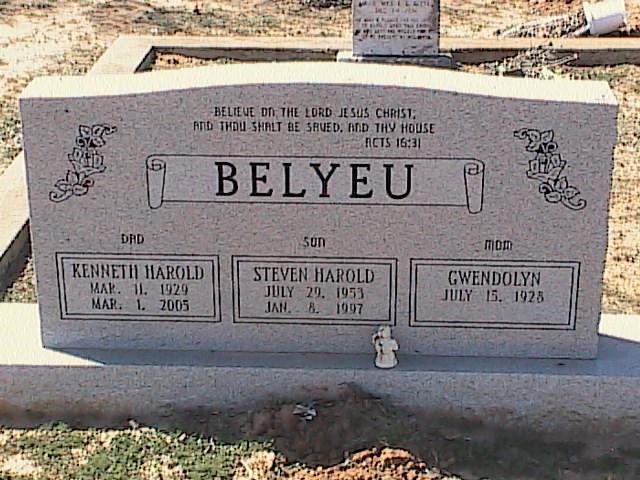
<point x="56" y="452"/>
<point x="19" y="465"/>
<point x="622" y="267"/>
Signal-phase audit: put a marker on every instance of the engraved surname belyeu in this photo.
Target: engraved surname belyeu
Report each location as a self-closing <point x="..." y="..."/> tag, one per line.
<point x="437" y="182"/>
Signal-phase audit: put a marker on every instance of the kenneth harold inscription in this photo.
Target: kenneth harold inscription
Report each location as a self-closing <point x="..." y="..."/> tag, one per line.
<point x="154" y="287"/>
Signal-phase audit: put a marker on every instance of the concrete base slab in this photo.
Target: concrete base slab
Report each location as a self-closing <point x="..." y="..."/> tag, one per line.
<point x="436" y="61"/>
<point x="544" y="394"/>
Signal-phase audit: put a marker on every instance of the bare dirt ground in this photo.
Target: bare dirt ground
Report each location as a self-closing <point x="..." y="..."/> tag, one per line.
<point x="351" y="421"/>
<point x="40" y="37"/>
<point x="353" y="435"/>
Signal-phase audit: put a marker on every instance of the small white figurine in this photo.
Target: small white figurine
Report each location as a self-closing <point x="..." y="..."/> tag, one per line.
<point x="386" y="348"/>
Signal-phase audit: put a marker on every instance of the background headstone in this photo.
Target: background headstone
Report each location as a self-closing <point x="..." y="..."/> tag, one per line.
<point x="395" y="27"/>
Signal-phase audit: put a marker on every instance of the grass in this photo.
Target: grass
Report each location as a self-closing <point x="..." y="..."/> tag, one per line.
<point x="56" y="451"/>
<point x="39" y="4"/>
<point x="23" y="289"/>
<point x="170" y="21"/>
<point x="203" y="20"/>
<point x="9" y="133"/>
<point x="27" y="7"/>
<point x="608" y="464"/>
<point x="328" y="3"/>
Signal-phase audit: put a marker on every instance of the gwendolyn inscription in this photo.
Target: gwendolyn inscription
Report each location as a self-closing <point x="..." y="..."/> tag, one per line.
<point x="493" y="278"/>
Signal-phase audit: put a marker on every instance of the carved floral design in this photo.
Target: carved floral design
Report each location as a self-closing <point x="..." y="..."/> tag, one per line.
<point x="86" y="161"/>
<point x="547" y="167"/>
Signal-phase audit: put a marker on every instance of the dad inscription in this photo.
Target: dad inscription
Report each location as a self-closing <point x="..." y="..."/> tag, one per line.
<point x="300" y="207"/>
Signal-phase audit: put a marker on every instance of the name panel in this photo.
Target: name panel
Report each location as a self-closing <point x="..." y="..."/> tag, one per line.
<point x="138" y="287"/>
<point x="331" y="291"/>
<point x="494" y="294"/>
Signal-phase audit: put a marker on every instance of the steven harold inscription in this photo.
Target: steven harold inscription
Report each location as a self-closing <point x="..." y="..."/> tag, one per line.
<point x="180" y="288"/>
<point x="313" y="290"/>
<point x="517" y="294"/>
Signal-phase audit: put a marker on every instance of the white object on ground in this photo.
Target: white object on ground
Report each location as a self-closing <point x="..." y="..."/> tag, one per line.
<point x="605" y="17"/>
<point x="305" y="411"/>
<point x="386" y="348"/>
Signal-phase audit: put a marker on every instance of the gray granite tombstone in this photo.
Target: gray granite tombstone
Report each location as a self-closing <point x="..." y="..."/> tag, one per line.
<point x="396" y="31"/>
<point x="298" y="207"/>
<point x="395" y="27"/>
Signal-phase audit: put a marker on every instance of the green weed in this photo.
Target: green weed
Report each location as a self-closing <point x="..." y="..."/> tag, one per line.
<point x="62" y="452"/>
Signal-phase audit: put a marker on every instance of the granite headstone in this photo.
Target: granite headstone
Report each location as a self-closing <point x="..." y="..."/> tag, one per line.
<point x="395" y="27"/>
<point x="299" y="207"/>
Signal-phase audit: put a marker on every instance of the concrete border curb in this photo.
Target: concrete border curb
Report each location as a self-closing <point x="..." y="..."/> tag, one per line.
<point x="135" y="53"/>
<point x="14" y="221"/>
